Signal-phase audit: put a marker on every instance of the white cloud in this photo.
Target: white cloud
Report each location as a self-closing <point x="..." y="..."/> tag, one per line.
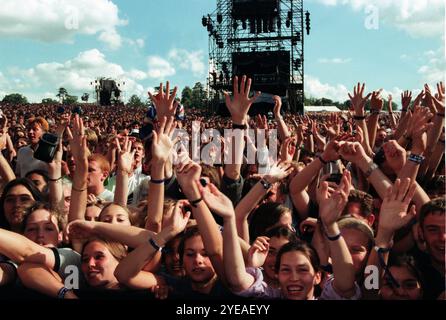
<point x="111" y="38"/>
<point x="187" y="60"/>
<point x="140" y="43"/>
<point x="433" y="65"/>
<point x="334" y="60"/>
<point x="315" y="88"/>
<point x="75" y="75"/>
<point x="159" y="68"/>
<point x="419" y="18"/>
<point x="137" y="74"/>
<point x="60" y="20"/>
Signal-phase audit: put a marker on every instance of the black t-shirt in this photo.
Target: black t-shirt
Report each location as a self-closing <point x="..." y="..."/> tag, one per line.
<point x="434" y="281"/>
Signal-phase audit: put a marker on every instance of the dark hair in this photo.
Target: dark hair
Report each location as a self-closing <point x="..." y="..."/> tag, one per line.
<point x="435" y="205"/>
<point x="282" y="232"/>
<point x="189" y="233"/>
<point x="407" y="261"/>
<point x="42" y="173"/>
<point x="44" y="206"/>
<point x="28" y="184"/>
<point x="265" y="216"/>
<point x="302" y="247"/>
<point x="364" y="199"/>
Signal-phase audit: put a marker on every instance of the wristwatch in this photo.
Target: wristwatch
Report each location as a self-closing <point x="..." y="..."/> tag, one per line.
<point x="383" y="250"/>
<point x="372" y="167"/>
<point x="266" y="185"/>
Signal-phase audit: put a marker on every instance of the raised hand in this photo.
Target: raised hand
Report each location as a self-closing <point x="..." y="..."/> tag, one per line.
<point x="287" y="149"/>
<point x="278" y="172"/>
<point x="318" y="138"/>
<point x="125" y="156"/>
<point x="78" y="141"/>
<point x="217" y="202"/>
<point x="331" y="150"/>
<point x="258" y="252"/>
<point x="353" y="152"/>
<point x="163" y="101"/>
<point x="436" y="102"/>
<point x="261" y="122"/>
<point x="357" y="100"/>
<point x="406" y="97"/>
<point x="331" y="207"/>
<point x="376" y="101"/>
<point x="187" y="174"/>
<point x="55" y="166"/>
<point x="393" y="214"/>
<point x="419" y="124"/>
<point x="179" y="218"/>
<point x="395" y="155"/>
<point x="240" y="104"/>
<point x="277" y="106"/>
<point x="162" y="140"/>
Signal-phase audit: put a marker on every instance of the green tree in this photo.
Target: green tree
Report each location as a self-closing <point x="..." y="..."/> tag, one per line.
<point x="15" y="98"/>
<point x="198" y="96"/>
<point x="186" y="96"/>
<point x="70" y="99"/>
<point x="136" y="101"/>
<point x="49" y="101"/>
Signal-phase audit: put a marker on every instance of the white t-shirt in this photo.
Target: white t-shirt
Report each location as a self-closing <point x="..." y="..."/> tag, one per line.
<point x="26" y="162"/>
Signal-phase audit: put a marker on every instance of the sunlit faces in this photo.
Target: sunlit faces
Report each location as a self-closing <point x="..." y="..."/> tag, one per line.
<point x="409" y="286"/>
<point x="196" y="263"/>
<point x="275" y="243"/>
<point x="16" y="200"/>
<point x="38" y="180"/>
<point x="115" y="214"/>
<point x="172" y="259"/>
<point x="42" y="228"/>
<point x="139" y="152"/>
<point x="92" y="213"/>
<point x="67" y="198"/>
<point x="297" y="276"/>
<point x="357" y="243"/>
<point x="34" y="133"/>
<point x="98" y="265"/>
<point x="95" y="176"/>
<point x="434" y="234"/>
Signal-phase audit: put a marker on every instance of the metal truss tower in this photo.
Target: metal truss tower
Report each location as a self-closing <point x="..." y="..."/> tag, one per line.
<point x="268" y="35"/>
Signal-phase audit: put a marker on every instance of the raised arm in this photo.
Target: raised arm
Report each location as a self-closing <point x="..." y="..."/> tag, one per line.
<point x="393" y="216"/>
<point x="238" y="106"/>
<point x="390" y="111"/>
<point x="237" y="277"/>
<point x="161" y="149"/>
<point x="6" y="171"/>
<point x="124" y="169"/>
<point x="376" y="105"/>
<point x="55" y="179"/>
<point x="281" y="125"/>
<point x="129" y="272"/>
<point x="188" y="176"/>
<point x="330" y="209"/>
<point x="358" y="102"/>
<point x="276" y="173"/>
<point x="80" y="152"/>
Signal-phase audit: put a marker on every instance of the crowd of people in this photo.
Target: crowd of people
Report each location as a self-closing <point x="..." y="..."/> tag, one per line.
<point x="333" y="206"/>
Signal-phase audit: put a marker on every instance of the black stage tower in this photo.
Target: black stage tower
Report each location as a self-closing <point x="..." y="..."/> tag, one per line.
<point x="263" y="39"/>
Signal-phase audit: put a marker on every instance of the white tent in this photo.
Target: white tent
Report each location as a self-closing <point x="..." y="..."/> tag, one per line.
<point x="322" y="109"/>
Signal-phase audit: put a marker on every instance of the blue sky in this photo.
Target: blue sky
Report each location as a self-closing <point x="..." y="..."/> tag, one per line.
<point x="53" y="43"/>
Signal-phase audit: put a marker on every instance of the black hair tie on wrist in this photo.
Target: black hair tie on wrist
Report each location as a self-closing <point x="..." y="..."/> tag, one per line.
<point x="195" y="202"/>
